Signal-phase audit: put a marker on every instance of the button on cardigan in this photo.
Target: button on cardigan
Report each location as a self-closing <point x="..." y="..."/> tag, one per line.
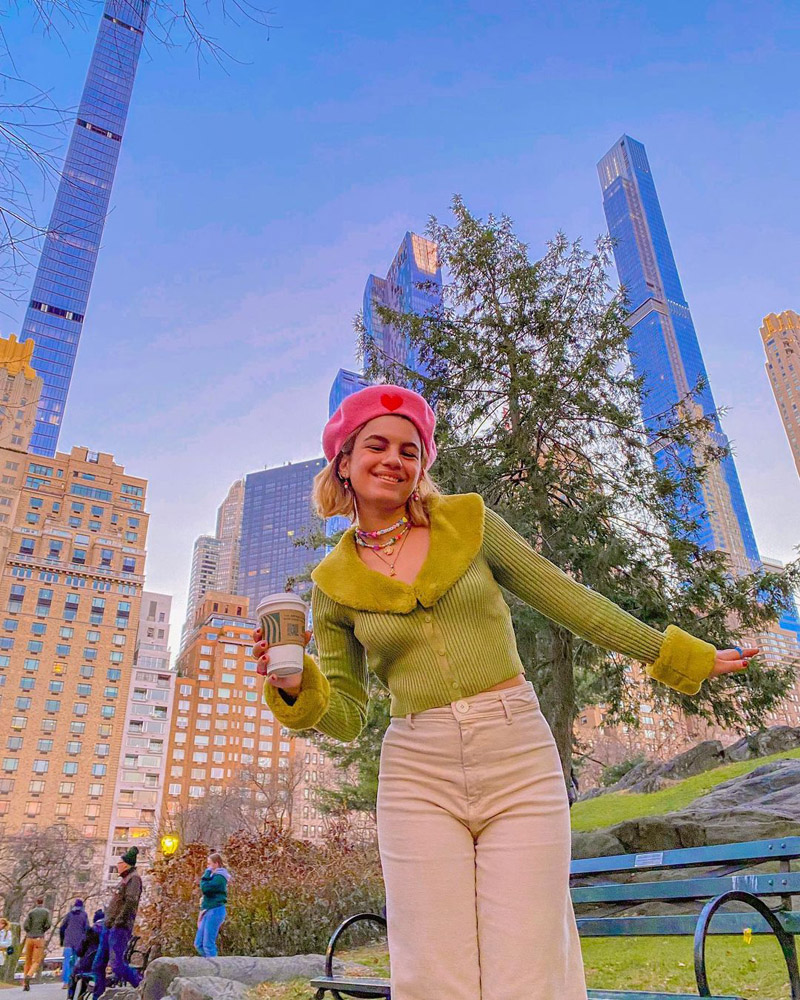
<point x="449" y="635"/>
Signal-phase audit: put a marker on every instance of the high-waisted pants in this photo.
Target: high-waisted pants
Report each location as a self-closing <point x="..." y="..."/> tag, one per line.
<point x="473" y="827"/>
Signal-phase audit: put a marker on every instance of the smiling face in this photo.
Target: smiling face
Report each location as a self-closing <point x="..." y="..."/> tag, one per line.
<point x="385" y="464"/>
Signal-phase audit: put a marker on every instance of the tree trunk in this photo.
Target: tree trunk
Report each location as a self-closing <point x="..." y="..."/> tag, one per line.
<point x="562" y="695"/>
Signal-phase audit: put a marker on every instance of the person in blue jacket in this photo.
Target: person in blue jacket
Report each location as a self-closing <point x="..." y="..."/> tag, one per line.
<point x="214" y="887"/>
<point x="71" y="933"/>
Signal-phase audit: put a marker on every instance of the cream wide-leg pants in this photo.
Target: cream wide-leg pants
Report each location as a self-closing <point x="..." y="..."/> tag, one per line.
<point x="473" y="827"/>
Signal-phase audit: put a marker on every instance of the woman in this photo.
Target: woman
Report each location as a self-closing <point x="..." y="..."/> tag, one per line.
<point x="6" y="940"/>
<point x="214" y="887"/>
<point x="473" y="819"/>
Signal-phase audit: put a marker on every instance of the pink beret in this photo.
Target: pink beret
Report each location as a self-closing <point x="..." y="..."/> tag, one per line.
<point x="378" y="401"/>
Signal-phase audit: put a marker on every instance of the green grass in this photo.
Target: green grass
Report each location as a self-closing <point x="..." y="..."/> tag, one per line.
<point x="615" y="807"/>
<point x="756" y="971"/>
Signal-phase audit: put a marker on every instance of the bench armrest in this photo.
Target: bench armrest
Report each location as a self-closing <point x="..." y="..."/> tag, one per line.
<point x="785" y="939"/>
<point x="374" y="917"/>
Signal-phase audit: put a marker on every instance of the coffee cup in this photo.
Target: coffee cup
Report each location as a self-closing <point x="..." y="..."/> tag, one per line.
<point x="283" y="624"/>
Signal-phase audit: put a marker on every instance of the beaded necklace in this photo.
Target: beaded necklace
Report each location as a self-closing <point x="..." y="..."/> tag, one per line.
<point x="364" y="535"/>
<point x="387" y="546"/>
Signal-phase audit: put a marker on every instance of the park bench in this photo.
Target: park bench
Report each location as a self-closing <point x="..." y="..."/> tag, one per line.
<point x="755" y="876"/>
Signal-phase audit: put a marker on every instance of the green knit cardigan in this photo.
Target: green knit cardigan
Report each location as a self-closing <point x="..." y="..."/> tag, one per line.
<point x="449" y="635"/>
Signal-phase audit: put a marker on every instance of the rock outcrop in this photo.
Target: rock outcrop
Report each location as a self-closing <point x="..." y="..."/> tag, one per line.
<point x="162" y="973"/>
<point x="762" y="804"/>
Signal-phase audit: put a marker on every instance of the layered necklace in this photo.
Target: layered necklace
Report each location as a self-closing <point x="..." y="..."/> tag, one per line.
<point x="386" y="543"/>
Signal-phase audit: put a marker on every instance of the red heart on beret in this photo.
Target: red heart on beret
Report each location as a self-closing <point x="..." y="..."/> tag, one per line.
<point x="391" y="402"/>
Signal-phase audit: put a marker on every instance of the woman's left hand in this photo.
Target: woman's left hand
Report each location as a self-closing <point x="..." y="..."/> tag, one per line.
<point x="729" y="661"/>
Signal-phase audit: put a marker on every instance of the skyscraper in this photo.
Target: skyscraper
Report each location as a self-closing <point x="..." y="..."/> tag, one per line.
<point x="413" y="284"/>
<point x="203" y="577"/>
<point x="277" y="512"/>
<point x="781" y="336"/>
<point x="663" y="344"/>
<point x="229" y="535"/>
<point x="344" y="385"/>
<point x="63" y="279"/>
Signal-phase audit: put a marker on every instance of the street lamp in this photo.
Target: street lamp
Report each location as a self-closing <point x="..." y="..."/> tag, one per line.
<point x="169" y="844"/>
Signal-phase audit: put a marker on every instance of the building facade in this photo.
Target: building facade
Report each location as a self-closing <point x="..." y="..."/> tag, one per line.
<point x="223" y="738"/>
<point x="344" y="385"/>
<point x="413" y="284"/>
<point x="202" y="577"/>
<point x="141" y="775"/>
<point x="20" y="388"/>
<point x="276" y="514"/>
<point x="71" y="574"/>
<point x="229" y="536"/>
<point x="63" y="280"/>
<point x="780" y="333"/>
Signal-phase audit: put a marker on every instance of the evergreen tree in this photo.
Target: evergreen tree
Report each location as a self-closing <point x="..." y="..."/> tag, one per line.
<point x="539" y="411"/>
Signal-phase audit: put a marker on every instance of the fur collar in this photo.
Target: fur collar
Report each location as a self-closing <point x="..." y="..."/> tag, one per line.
<point x="456" y="539"/>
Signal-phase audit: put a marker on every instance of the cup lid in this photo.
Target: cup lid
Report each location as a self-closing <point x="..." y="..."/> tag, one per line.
<point x="286" y="597"/>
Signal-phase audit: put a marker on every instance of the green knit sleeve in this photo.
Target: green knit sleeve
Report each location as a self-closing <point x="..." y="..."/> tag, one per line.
<point x="678" y="660"/>
<point x="334" y="693"/>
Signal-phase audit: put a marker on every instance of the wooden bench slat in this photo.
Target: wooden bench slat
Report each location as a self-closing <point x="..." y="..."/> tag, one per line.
<point x="755" y="851"/>
<point x="680" y="924"/>
<point x="778" y="884"/>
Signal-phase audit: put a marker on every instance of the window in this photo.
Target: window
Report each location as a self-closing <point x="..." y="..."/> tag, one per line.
<point x="106" y="556"/>
<point x="108" y="711"/>
<point x="128" y="564"/>
<point x="77" y="728"/>
<point x="96" y="789"/>
<point x="80" y="708"/>
<point x="22" y="704"/>
<point x="79" y="557"/>
<point x="10" y="764"/>
<point x="74" y="746"/>
<point x="41" y="766"/>
<point x="113" y="674"/>
<point x="27" y="683"/>
<point x="65" y="632"/>
<point x="102" y="749"/>
<point x="15" y="597"/>
<point x="71" y="602"/>
<point x="35" y="646"/>
<point x="26" y="546"/>
<point x="87" y="671"/>
<point x="31" y="664"/>
<point x="110" y="692"/>
<point x="11" y="624"/>
<point x="70" y="767"/>
<point x="54" y="550"/>
<point x="14" y="743"/>
<point x="66" y="788"/>
<point x="98" y="770"/>
<point x="84" y="690"/>
<point x="44" y="746"/>
<point x="92" y="636"/>
<point x="36" y="787"/>
<point x="56" y="687"/>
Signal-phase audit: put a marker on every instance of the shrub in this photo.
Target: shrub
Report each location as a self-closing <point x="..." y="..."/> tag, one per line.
<point x="285" y="896"/>
<point x="612" y="774"/>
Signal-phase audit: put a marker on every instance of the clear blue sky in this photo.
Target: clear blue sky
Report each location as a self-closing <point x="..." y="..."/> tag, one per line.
<point x="250" y="206"/>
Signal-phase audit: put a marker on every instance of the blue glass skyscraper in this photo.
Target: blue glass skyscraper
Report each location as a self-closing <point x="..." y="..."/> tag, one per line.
<point x="344" y="385"/>
<point x="275" y="514"/>
<point x="413" y="284"/>
<point x="664" y="345"/>
<point x="57" y="308"/>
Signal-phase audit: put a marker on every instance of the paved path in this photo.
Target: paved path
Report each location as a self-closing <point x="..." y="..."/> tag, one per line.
<point x="39" y="991"/>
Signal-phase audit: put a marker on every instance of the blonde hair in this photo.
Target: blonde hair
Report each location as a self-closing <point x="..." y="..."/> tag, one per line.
<point x="217" y="858"/>
<point x="331" y="498"/>
<point x="4" y="923"/>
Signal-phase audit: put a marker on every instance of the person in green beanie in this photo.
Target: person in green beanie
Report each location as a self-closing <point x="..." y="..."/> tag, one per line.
<point x="120" y="918"/>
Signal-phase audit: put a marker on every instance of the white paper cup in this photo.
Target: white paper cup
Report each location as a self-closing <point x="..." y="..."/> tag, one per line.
<point x="283" y="622"/>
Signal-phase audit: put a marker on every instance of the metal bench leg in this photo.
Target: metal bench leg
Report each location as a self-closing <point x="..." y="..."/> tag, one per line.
<point x="785" y="940"/>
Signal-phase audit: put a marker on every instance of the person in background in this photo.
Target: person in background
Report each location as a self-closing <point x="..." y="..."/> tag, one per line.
<point x="86" y="952"/>
<point x="118" y="926"/>
<point x="214" y="887"/>
<point x="70" y="933"/>
<point x="36" y="925"/>
<point x="6" y="940"/>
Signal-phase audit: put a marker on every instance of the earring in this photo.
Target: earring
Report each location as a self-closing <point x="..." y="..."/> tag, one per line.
<point x="346" y="484"/>
<point x="415" y="494"/>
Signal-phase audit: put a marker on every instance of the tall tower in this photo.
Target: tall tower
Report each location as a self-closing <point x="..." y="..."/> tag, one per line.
<point x="203" y="577"/>
<point x="413" y="284"/>
<point x="277" y="513"/>
<point x="229" y="535"/>
<point x="663" y="344"/>
<point x="781" y="336"/>
<point x="63" y="279"/>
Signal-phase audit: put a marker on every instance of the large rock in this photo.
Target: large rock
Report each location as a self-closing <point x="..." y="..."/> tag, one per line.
<point x="765" y="743"/>
<point x="162" y="972"/>
<point x="757" y="806"/>
<point x="207" y="988"/>
<point x="652" y="775"/>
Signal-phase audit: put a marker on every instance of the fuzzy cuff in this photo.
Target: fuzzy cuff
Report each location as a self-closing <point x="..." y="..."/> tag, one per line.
<point x="310" y="704"/>
<point x="683" y="662"/>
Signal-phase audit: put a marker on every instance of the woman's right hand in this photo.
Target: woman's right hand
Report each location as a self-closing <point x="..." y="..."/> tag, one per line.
<point x="291" y="684"/>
